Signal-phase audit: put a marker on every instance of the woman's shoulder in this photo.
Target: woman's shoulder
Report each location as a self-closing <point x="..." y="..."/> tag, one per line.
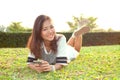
<point x="60" y="38"/>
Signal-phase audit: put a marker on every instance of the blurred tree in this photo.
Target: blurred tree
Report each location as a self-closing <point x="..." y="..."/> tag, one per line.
<point x="28" y="30"/>
<point x="99" y="30"/>
<point x="2" y="28"/>
<point x="82" y="21"/>
<point x="110" y="30"/>
<point x="15" y="27"/>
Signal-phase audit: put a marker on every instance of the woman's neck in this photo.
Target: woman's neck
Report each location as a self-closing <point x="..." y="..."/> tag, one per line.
<point x="47" y="43"/>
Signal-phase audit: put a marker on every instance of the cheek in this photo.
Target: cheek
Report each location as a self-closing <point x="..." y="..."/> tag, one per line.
<point x="46" y="33"/>
<point x="43" y="33"/>
<point x="53" y="31"/>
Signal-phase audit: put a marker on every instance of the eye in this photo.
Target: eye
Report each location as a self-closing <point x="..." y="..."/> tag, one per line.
<point x="44" y="29"/>
<point x="51" y="26"/>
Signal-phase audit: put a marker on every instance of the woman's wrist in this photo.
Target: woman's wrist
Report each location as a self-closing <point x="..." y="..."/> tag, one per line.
<point x="53" y="68"/>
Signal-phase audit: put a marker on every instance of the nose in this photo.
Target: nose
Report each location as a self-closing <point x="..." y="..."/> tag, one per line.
<point x="50" y="30"/>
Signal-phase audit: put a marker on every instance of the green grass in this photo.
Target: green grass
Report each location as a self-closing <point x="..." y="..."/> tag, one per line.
<point x="93" y="63"/>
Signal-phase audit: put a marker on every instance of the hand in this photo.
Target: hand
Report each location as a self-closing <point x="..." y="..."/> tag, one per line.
<point x="45" y="66"/>
<point x="35" y="67"/>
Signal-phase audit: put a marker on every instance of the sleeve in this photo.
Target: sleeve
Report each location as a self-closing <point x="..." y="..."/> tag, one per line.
<point x="62" y="57"/>
<point x="31" y="58"/>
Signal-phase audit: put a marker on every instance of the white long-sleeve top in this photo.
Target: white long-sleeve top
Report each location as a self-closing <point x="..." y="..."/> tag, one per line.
<point x="65" y="53"/>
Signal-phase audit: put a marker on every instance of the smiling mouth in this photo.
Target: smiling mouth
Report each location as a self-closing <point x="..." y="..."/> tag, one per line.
<point x="50" y="36"/>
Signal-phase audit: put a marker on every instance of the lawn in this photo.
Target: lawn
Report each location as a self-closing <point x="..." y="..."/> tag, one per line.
<point x="93" y="63"/>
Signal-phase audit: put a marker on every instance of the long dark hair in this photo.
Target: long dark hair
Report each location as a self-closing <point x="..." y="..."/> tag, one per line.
<point x="35" y="39"/>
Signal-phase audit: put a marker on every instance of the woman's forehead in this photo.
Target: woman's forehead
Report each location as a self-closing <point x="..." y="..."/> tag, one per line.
<point x="47" y="23"/>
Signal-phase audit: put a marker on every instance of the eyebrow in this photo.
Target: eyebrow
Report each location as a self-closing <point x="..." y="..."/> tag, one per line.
<point x="45" y="27"/>
<point x="48" y="26"/>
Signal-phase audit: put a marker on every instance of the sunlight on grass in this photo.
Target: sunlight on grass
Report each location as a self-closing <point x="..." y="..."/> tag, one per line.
<point x="93" y="63"/>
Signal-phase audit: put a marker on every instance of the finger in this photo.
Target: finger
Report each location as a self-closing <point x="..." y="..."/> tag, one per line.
<point x="37" y="65"/>
<point x="45" y="62"/>
<point x="45" y="65"/>
<point x="48" y="68"/>
<point x="42" y="61"/>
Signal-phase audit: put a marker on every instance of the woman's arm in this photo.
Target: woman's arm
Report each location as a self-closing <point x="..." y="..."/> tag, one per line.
<point x="45" y="66"/>
<point x="58" y="66"/>
<point x="52" y="67"/>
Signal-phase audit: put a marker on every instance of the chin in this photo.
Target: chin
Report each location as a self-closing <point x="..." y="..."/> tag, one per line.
<point x="50" y="39"/>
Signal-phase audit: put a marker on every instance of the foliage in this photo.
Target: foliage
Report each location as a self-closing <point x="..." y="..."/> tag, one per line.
<point x="2" y="28"/>
<point x="13" y="39"/>
<point x="110" y="30"/>
<point x="93" y="63"/>
<point x="99" y="30"/>
<point x="101" y="38"/>
<point x="28" y="30"/>
<point x="15" y="27"/>
<point x="82" y="21"/>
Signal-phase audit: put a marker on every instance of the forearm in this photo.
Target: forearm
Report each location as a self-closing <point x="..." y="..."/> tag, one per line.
<point x="31" y="66"/>
<point x="45" y="68"/>
<point x="58" y="66"/>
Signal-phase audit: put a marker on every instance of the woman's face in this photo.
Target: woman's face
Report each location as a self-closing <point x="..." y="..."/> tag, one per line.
<point x="48" y="31"/>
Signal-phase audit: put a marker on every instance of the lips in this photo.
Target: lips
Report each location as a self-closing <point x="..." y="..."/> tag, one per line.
<point x="50" y="36"/>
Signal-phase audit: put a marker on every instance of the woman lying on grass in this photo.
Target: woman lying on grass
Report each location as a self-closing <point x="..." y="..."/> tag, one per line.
<point x="51" y="49"/>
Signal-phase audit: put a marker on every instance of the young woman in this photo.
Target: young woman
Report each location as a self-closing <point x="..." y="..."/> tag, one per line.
<point x="51" y="48"/>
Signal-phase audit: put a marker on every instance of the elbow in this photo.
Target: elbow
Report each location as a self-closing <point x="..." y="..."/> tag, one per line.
<point x="58" y="66"/>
